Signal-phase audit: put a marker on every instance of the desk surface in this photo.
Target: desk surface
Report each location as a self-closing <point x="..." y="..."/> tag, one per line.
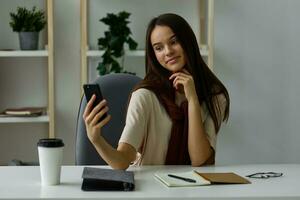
<point x="24" y="183"/>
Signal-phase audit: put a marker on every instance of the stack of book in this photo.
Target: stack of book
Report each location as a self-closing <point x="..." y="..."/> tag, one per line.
<point x="24" y="112"/>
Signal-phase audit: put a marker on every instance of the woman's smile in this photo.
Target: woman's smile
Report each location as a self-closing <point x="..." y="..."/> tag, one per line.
<point x="172" y="60"/>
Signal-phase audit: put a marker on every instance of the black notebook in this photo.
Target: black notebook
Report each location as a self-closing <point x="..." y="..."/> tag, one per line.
<point x="97" y="179"/>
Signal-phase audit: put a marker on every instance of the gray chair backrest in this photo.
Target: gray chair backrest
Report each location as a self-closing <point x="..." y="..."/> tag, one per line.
<point x="116" y="89"/>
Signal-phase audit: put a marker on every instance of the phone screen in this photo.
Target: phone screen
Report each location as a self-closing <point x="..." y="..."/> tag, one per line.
<point x="89" y="90"/>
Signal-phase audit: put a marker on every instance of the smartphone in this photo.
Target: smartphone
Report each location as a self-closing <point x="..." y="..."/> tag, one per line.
<point x="89" y="90"/>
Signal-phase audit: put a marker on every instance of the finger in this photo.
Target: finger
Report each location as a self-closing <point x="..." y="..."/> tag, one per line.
<point x="98" y="107"/>
<point x="180" y="87"/>
<point x="103" y="122"/>
<point x="92" y="114"/>
<point x="88" y="107"/>
<point x="98" y="116"/>
<point x="91" y="101"/>
<point x="179" y="82"/>
<point x="179" y="74"/>
<point x="175" y="81"/>
<point x="178" y="78"/>
<point x="186" y="71"/>
<point x="173" y="75"/>
<point x="185" y="75"/>
<point x="88" y="120"/>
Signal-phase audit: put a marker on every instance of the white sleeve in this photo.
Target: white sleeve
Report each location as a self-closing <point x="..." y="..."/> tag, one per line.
<point x="136" y="119"/>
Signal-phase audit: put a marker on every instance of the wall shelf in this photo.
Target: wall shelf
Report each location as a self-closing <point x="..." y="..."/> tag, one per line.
<point x="98" y="53"/>
<point x="39" y="119"/>
<point x="19" y="53"/>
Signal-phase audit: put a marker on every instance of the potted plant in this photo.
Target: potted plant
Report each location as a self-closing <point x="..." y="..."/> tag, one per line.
<point x="113" y="42"/>
<point x="28" y="23"/>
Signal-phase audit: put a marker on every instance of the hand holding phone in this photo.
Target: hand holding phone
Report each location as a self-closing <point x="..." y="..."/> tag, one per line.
<point x="89" y="90"/>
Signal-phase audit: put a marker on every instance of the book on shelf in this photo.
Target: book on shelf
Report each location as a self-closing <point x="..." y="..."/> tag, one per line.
<point x="195" y="178"/>
<point x="24" y="111"/>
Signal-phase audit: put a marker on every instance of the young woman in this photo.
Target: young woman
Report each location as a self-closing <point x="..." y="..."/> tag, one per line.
<point x="174" y="114"/>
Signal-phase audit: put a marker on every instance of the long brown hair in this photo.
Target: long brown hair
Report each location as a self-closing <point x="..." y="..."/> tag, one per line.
<point x="206" y="83"/>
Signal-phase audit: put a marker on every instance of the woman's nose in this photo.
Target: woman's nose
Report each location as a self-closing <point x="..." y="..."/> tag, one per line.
<point x="169" y="50"/>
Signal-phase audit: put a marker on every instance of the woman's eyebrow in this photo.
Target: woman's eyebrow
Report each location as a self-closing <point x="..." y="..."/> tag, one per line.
<point x="157" y="43"/>
<point x="170" y="38"/>
<point x="173" y="36"/>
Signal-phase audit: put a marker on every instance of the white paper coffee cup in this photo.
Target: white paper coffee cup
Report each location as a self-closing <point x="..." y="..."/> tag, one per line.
<point x="50" y="152"/>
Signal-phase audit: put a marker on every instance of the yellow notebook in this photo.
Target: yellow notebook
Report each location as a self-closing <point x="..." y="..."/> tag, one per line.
<point x="195" y="178"/>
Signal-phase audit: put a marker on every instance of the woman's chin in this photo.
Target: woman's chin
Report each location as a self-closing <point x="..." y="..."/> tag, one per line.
<point x="175" y="69"/>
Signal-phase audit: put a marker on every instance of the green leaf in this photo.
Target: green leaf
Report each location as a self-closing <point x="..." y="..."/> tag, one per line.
<point x="115" y="67"/>
<point x="27" y="20"/>
<point x="131" y="43"/>
<point x="102" y="42"/>
<point x="124" y="15"/>
<point x="114" y="40"/>
<point x="107" y="58"/>
<point x="102" y="69"/>
<point x="117" y="46"/>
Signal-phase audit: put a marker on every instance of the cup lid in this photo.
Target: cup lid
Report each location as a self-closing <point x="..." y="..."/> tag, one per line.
<point x="50" y="142"/>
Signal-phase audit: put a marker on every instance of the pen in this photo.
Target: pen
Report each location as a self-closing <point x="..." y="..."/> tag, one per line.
<point x="182" y="178"/>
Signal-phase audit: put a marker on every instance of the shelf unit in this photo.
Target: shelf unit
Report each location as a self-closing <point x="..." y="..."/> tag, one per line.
<point x="49" y="54"/>
<point x="206" y="44"/>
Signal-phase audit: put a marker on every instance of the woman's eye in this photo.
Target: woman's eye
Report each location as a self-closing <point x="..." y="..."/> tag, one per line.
<point x="157" y="48"/>
<point x="174" y="41"/>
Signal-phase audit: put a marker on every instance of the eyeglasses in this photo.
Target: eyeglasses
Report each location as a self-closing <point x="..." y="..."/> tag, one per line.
<point x="265" y="175"/>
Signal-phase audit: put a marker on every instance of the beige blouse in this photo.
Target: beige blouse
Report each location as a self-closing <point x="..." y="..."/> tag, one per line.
<point x="148" y="127"/>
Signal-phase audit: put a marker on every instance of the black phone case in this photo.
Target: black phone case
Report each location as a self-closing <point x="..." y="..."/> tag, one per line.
<point x="89" y="90"/>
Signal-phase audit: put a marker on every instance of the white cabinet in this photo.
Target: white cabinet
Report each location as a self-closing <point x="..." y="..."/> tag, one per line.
<point x="141" y="13"/>
<point x="44" y="57"/>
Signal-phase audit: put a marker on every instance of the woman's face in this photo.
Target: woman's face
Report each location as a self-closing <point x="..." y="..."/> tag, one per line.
<point x="167" y="49"/>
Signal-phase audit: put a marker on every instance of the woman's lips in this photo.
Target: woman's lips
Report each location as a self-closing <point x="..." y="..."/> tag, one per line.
<point x="172" y="60"/>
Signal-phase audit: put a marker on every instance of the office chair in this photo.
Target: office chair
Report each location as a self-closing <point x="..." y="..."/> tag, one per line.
<point x="116" y="89"/>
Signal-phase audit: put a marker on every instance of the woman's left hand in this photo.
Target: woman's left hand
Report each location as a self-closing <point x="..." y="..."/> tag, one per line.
<point x="185" y="79"/>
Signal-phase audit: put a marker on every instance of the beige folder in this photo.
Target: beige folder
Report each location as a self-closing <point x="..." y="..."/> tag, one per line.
<point x="223" y="178"/>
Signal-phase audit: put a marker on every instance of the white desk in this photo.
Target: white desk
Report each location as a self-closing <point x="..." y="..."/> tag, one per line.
<point x="24" y="183"/>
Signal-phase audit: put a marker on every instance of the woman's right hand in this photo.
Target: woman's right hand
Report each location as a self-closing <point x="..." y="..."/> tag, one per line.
<point x="91" y="117"/>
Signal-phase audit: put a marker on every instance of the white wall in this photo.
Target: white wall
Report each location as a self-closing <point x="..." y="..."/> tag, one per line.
<point x="257" y="50"/>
